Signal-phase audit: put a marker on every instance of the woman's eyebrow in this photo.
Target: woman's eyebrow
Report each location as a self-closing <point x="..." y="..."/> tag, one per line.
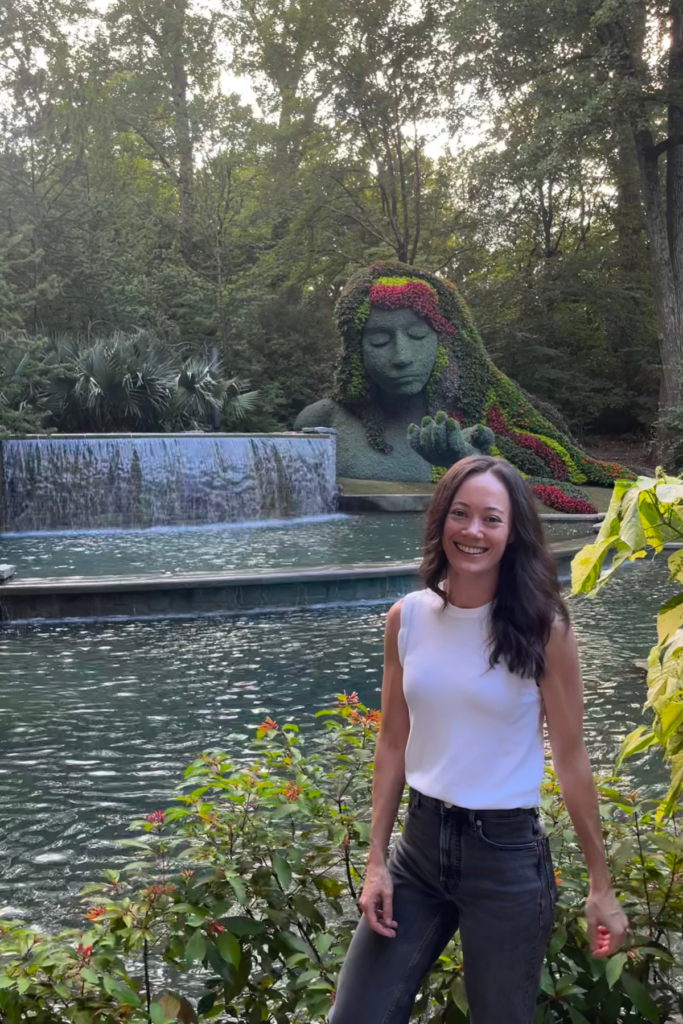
<point x="489" y="508"/>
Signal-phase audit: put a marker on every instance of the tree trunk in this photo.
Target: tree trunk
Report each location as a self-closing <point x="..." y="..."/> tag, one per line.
<point x="183" y="134"/>
<point x="667" y="298"/>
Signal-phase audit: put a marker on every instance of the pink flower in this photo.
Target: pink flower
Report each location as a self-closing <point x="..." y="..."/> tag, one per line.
<point x="155" y="818"/>
<point x="415" y="295"/>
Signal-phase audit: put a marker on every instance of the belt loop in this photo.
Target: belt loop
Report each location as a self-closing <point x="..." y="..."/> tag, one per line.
<point x="471" y="816"/>
<point x="418" y="798"/>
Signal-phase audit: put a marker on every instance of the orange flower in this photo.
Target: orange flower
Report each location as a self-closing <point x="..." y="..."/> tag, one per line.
<point x="94" y="913"/>
<point x="372" y="720"/>
<point x="186" y="873"/>
<point x="214" y="928"/>
<point x="558" y="875"/>
<point x="267" y="724"/>
<point x="292" y="791"/>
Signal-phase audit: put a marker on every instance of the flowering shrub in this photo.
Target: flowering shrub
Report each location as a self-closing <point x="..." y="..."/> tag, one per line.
<point x="246" y="889"/>
<point x="554" y="498"/>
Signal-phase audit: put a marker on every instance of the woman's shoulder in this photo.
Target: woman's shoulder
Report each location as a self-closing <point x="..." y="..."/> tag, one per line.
<point x="403" y="610"/>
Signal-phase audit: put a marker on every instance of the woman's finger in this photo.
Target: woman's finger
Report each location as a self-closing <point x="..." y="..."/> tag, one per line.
<point x="372" y="916"/>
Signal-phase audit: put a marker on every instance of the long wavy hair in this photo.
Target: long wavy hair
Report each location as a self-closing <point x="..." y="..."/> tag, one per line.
<point x="527" y="600"/>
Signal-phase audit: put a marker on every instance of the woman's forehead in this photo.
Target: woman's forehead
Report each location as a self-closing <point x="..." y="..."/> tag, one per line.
<point x="483" y="489"/>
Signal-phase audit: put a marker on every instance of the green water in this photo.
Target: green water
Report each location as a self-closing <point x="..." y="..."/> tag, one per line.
<point x="97" y="720"/>
<point x="267" y="545"/>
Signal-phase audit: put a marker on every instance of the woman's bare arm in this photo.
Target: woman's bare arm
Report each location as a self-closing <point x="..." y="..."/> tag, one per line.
<point x="563" y="699"/>
<point x="388" y="783"/>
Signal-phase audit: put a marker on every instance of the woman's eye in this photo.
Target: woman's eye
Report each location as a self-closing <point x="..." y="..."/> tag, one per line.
<point x="378" y="340"/>
<point x="417" y="335"/>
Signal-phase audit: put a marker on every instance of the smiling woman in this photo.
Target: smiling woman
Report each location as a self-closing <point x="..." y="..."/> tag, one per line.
<point x="472" y="666"/>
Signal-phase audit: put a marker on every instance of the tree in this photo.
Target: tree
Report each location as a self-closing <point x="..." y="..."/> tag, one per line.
<point x="595" y="71"/>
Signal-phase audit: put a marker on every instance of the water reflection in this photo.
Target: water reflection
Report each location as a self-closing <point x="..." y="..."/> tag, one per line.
<point x="268" y="544"/>
<point x="97" y="720"/>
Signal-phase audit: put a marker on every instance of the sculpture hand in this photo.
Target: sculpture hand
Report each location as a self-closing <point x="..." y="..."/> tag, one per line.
<point x="441" y="442"/>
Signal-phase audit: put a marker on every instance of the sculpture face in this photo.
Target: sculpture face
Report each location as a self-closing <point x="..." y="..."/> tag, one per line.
<point x="399" y="349"/>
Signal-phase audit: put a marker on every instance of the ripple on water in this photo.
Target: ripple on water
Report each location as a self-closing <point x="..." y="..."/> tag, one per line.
<point x="98" y="720"/>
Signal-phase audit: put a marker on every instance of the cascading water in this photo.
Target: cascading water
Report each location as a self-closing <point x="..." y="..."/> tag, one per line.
<point x="100" y="482"/>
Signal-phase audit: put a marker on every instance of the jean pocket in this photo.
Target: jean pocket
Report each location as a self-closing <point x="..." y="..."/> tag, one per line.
<point x="549" y="869"/>
<point x="518" y="833"/>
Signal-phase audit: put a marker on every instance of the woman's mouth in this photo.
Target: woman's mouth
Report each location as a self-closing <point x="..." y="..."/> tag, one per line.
<point x="470" y="551"/>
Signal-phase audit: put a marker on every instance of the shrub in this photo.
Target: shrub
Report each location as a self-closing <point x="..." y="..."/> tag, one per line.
<point x="245" y="890"/>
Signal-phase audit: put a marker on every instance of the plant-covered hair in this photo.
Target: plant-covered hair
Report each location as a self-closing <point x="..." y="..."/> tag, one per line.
<point x="464" y="383"/>
<point x="527" y="600"/>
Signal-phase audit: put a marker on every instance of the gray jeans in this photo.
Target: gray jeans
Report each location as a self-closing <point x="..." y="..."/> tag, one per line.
<point x="487" y="873"/>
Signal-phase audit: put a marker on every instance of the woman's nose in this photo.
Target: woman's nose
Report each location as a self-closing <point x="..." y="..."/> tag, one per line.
<point x="473" y="528"/>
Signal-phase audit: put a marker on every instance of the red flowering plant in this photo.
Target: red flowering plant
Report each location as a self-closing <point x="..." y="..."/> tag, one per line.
<point x="249" y="895"/>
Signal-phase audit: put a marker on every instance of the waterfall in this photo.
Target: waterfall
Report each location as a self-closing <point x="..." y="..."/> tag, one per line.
<point x="107" y="481"/>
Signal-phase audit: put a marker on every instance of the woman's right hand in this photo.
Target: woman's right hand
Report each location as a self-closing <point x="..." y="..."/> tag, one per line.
<point x="376" y="900"/>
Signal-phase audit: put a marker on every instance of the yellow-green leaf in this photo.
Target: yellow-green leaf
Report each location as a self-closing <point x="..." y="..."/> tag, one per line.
<point x="670" y="617"/>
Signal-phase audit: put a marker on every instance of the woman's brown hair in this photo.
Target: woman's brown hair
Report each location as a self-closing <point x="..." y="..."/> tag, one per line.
<point x="527" y="600"/>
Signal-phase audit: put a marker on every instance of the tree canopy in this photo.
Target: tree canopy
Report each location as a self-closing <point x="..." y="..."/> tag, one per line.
<point x="529" y="152"/>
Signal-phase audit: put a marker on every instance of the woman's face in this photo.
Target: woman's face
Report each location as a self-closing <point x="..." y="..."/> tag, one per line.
<point x="399" y="349"/>
<point x="478" y="526"/>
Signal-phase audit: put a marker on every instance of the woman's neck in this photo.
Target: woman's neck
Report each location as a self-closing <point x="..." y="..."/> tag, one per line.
<point x="465" y="590"/>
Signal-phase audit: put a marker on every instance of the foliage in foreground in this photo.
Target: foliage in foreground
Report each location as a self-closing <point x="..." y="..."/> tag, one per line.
<point x="242" y="900"/>
<point x="643" y="515"/>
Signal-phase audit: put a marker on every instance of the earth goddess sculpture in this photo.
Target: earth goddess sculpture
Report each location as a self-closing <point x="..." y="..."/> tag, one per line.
<point x="415" y="391"/>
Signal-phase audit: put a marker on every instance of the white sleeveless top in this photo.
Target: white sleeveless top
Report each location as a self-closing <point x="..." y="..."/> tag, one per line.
<point x="476" y="733"/>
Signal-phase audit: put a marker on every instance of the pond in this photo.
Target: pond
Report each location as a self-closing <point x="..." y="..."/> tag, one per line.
<point x="265" y="545"/>
<point x="98" y="720"/>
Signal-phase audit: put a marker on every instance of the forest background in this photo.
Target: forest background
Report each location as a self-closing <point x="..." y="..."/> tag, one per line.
<point x="211" y="173"/>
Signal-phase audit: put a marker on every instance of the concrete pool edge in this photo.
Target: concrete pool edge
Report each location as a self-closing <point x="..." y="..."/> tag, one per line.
<point x="193" y="594"/>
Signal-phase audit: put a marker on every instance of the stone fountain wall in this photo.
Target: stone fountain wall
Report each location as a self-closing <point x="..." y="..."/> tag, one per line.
<point x="104" y="481"/>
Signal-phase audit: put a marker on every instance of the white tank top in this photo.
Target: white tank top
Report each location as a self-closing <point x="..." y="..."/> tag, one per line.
<point x="476" y="733"/>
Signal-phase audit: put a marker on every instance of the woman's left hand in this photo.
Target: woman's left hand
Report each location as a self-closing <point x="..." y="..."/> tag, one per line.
<point x="607" y="922"/>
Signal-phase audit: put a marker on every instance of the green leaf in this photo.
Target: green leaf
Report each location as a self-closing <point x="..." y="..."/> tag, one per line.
<point x="670" y="617"/>
<point x="229" y="948"/>
<point x="243" y="926"/>
<point x="239" y="889"/>
<point x="205" y="1004"/>
<point x="283" y="871"/>
<point x="640" y="739"/>
<point x="196" y="947"/>
<point x="458" y="994"/>
<point x="640" y="998"/>
<point x="576" y="1015"/>
<point x="120" y="990"/>
<point x="615" y="966"/>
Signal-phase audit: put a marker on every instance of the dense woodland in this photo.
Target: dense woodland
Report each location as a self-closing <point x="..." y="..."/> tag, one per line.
<point x="209" y="174"/>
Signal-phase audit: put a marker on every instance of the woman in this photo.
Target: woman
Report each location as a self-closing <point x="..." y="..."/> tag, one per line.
<point x="473" y="664"/>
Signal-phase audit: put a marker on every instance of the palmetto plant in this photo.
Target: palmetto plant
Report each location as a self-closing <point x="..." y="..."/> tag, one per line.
<point x="137" y="382"/>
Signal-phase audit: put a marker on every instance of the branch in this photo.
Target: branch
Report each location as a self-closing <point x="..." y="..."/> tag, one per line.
<point x="665" y="146"/>
<point x="160" y="156"/>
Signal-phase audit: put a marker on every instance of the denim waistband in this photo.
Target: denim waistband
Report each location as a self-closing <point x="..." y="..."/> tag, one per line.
<point x="418" y="799"/>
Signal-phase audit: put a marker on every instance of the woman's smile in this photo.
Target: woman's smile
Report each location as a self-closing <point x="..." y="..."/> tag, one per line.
<point x="469" y="550"/>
